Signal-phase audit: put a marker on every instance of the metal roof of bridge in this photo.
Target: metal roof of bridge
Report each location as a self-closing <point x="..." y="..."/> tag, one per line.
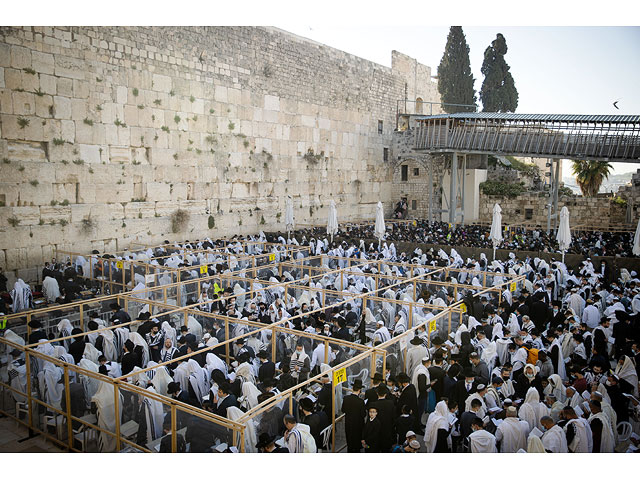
<point x="537" y="117"/>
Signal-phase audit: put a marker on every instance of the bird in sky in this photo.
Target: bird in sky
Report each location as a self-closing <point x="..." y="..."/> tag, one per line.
<point x="615" y="104"/>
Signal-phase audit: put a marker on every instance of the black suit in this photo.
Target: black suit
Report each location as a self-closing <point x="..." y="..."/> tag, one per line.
<point x="317" y="422"/>
<point x="408" y="397"/>
<point x="465" y="423"/>
<point x="461" y="394"/>
<point x="354" y="413"/>
<point x="229" y="401"/>
<point x="386" y="415"/>
<point x="437" y="374"/>
<point x="266" y="371"/>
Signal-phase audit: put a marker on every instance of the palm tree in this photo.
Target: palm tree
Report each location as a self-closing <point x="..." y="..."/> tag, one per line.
<point x="590" y="174"/>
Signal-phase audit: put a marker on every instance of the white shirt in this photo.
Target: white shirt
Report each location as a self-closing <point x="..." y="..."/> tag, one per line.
<point x="591" y="316"/>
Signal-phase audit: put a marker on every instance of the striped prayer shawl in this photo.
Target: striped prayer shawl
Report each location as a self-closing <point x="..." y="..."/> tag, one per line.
<point x="294" y="441"/>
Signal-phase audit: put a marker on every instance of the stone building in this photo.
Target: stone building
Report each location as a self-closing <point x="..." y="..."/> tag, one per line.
<point x="105" y="132"/>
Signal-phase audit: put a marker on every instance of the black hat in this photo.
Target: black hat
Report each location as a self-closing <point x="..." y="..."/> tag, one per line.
<point x="403" y="378"/>
<point x="94" y="314"/>
<point x="130" y="345"/>
<point x="377" y="377"/>
<point x="240" y="341"/>
<point x="437" y="340"/>
<point x="264" y="440"/>
<point x="357" y="384"/>
<point x="15" y="352"/>
<point x="35" y="324"/>
<point x="307" y="404"/>
<point x="416" y="341"/>
<point x="173" y="387"/>
<point x="114" y="306"/>
<point x="468" y="373"/>
<point x="263" y="354"/>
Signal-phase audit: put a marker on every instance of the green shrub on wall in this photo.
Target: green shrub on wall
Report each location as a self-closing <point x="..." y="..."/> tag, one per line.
<point x="502" y="189"/>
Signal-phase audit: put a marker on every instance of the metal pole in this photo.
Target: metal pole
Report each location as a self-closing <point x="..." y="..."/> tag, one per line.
<point x="555" y="195"/>
<point x="453" y="196"/>
<point x="430" y="190"/>
<point x="464" y="176"/>
<point x="333" y="417"/>
<point x="549" y="204"/>
<point x="67" y="395"/>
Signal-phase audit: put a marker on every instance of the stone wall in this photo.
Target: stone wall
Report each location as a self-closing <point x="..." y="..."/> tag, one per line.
<point x="597" y="212"/>
<point x="106" y="131"/>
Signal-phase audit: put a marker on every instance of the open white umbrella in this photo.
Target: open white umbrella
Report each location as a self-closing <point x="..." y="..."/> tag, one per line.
<point x="289" y="221"/>
<point x="496" y="228"/>
<point x="636" y="240"/>
<point x="332" y="221"/>
<point x="380" y="228"/>
<point x="564" y="233"/>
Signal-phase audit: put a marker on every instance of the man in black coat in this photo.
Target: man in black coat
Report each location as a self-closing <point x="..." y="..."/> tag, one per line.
<point x="371" y="395"/>
<point x="37" y="333"/>
<point x="539" y="311"/>
<point x="354" y="413"/>
<point x="437" y="374"/>
<point x="224" y="400"/>
<point x="408" y="395"/>
<point x="465" y="387"/>
<point x="267" y="368"/>
<point x="76" y="348"/>
<point x="386" y="415"/>
<point x="317" y="420"/>
<point x="266" y="444"/>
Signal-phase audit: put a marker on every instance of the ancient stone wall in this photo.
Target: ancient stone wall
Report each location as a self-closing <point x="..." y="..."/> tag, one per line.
<point x="105" y="132"/>
<point x="597" y="212"/>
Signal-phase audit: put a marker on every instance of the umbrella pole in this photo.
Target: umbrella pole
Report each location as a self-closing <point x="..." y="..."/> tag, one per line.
<point x="494" y="253"/>
<point x="562" y="256"/>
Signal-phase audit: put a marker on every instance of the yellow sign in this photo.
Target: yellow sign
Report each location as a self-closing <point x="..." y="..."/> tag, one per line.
<point x="203" y="269"/>
<point x="513" y="286"/>
<point x="415" y="224"/>
<point x="120" y="264"/>
<point x="272" y="257"/>
<point x="463" y="308"/>
<point x="340" y="376"/>
<point x="432" y="325"/>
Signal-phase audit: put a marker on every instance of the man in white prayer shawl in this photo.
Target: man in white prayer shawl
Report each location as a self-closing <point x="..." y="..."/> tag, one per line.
<point x="104" y="400"/>
<point x="50" y="289"/>
<point x="602" y="433"/>
<point x="382" y="333"/>
<point x="481" y="441"/>
<point x="17" y="372"/>
<point x="553" y="438"/>
<point x="532" y="410"/>
<point x="577" y="431"/>
<point x="479" y="394"/>
<point x="438" y="420"/>
<point x="150" y="418"/>
<point x="512" y="432"/>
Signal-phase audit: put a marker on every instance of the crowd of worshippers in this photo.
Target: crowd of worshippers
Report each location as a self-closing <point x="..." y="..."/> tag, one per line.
<point x="533" y="356"/>
<point x="593" y="243"/>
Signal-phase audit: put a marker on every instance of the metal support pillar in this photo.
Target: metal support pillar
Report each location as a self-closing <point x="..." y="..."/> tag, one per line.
<point x="552" y="205"/>
<point x="464" y="176"/>
<point x="430" y="190"/>
<point x="555" y="194"/>
<point x="453" y="190"/>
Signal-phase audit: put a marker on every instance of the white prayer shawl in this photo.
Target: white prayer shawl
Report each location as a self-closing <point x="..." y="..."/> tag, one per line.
<point x="90" y="384"/>
<point x="245" y="371"/>
<point x="21" y="296"/>
<point x="535" y="445"/>
<point x="555" y="440"/>
<point x="439" y="419"/>
<point x="17" y="372"/>
<point x="482" y="441"/>
<point x="250" y="438"/>
<point x="137" y="340"/>
<point x="194" y="327"/>
<point x="420" y="370"/>
<point x="532" y="410"/>
<point x="215" y="363"/>
<point x="607" y="439"/>
<point x="573" y="401"/>
<point x="108" y="346"/>
<point x="197" y="378"/>
<point x="415" y="354"/>
<point x="91" y="353"/>
<point x="161" y="380"/>
<point x="181" y="376"/>
<point x="64" y="329"/>
<point x="555" y="388"/>
<point x="51" y="390"/>
<point x="555" y="411"/>
<point x="627" y="371"/>
<point x="583" y="441"/>
<point x="12" y="337"/>
<point x="50" y="289"/>
<point x="561" y="366"/>
<point x="514" y="434"/>
<point x="250" y="395"/>
<point x="153" y="415"/>
<point x="467" y="404"/>
<point x="104" y="400"/>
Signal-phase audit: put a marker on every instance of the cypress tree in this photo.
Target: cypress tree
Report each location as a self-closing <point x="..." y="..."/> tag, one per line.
<point x="498" y="92"/>
<point x="455" y="80"/>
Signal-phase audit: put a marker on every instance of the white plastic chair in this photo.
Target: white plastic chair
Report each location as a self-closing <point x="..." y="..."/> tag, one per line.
<point x="325" y="435"/>
<point x="624" y="431"/>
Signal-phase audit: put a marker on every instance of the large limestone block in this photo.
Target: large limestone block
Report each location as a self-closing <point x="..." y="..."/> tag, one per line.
<point x="70" y="67"/>
<point x="162" y="83"/>
<point x="140" y="210"/>
<point x="55" y="214"/>
<point x="119" y="154"/>
<point x="20" y="57"/>
<point x="157" y="191"/>
<point x="42" y="62"/>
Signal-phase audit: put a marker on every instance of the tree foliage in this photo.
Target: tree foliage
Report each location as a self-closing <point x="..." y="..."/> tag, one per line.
<point x="455" y="80"/>
<point x="590" y="174"/>
<point x="498" y="92"/>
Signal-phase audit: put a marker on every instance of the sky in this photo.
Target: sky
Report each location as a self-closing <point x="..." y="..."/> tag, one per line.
<point x="573" y="70"/>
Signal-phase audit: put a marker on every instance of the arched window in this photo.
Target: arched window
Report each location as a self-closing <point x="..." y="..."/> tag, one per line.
<point x="419" y="106"/>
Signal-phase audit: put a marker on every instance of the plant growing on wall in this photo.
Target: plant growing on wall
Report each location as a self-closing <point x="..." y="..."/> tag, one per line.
<point x="211" y="222"/>
<point x="179" y="220"/>
<point x="23" y="122"/>
<point x="13" y="221"/>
